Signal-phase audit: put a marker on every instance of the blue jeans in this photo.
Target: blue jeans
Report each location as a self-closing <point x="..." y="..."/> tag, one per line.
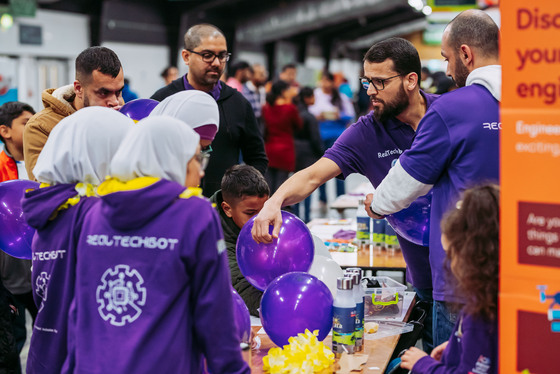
<point x="425" y="294"/>
<point x="306" y="215"/>
<point x="444" y="322"/>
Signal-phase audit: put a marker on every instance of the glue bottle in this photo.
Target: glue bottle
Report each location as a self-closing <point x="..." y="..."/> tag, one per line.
<point x="358" y="293"/>
<point x="363" y="222"/>
<point x="344" y="317"/>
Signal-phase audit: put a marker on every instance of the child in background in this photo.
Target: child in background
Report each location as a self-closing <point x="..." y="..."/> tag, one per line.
<point x="13" y="117"/>
<point x="243" y="194"/>
<point x="470" y="236"/>
<point x="79" y="149"/>
<point x="153" y="291"/>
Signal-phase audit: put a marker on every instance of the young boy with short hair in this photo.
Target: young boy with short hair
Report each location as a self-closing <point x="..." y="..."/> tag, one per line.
<point x="243" y="194"/>
<point x="13" y="117"/>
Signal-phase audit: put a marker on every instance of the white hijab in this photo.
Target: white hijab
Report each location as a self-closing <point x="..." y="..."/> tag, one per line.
<point x="197" y="109"/>
<point x="158" y="146"/>
<point x="81" y="146"/>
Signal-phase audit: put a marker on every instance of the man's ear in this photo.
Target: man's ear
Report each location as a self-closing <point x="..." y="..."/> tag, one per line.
<point x="410" y="81"/>
<point x="466" y="55"/>
<point x="5" y="132"/>
<point x="185" y="55"/>
<point x="79" y="89"/>
<point x="227" y="209"/>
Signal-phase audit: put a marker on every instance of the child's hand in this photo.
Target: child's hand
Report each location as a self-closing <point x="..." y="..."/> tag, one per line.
<point x="438" y="351"/>
<point x="410" y="357"/>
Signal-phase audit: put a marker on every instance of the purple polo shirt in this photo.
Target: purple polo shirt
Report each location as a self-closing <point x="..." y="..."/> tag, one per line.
<point x="214" y="92"/>
<point x="456" y="147"/>
<point x="472" y="348"/>
<point x="370" y="148"/>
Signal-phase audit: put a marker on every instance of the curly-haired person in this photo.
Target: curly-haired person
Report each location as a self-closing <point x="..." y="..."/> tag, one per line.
<point x="470" y="236"/>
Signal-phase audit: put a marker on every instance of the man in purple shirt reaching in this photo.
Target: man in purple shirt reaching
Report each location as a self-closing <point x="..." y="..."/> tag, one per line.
<point x="369" y="147"/>
<point x="456" y="145"/>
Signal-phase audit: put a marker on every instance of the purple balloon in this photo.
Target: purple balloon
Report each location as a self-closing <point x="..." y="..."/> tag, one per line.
<point x="294" y="302"/>
<point x="261" y="263"/>
<point x="16" y="234"/>
<point x="241" y="317"/>
<point x="413" y="223"/>
<point x="138" y="108"/>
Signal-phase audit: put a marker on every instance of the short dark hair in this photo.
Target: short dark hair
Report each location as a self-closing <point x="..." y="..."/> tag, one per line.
<point x="165" y="71"/>
<point x="97" y="58"/>
<point x="288" y="66"/>
<point x="11" y="110"/>
<point x="402" y="52"/>
<point x="243" y="180"/>
<point x="237" y="65"/>
<point x="276" y="91"/>
<point x="194" y="35"/>
<point x="476" y="29"/>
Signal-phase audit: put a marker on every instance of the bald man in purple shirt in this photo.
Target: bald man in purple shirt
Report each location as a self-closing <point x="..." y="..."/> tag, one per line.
<point x="369" y="147"/>
<point x="456" y="145"/>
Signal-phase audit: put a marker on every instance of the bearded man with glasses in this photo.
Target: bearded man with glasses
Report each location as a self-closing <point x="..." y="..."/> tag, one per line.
<point x="206" y="54"/>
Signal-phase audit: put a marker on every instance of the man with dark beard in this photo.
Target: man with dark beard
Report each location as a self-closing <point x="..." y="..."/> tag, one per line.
<point x="369" y="147"/>
<point x="456" y="147"/>
<point x="99" y="82"/>
<point x="206" y="54"/>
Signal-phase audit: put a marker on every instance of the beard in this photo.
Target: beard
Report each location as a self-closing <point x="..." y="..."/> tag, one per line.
<point x="392" y="108"/>
<point x="208" y="80"/>
<point x="86" y="100"/>
<point x="461" y="73"/>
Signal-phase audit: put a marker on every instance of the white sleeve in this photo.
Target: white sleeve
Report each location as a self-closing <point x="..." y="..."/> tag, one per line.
<point x="397" y="191"/>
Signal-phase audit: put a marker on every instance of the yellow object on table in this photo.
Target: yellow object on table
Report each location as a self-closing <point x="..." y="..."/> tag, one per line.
<point x="304" y="354"/>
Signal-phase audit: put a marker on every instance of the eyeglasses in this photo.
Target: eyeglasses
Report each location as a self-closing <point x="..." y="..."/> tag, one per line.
<point x="203" y="159"/>
<point x="206" y="149"/>
<point x="209" y="57"/>
<point x="379" y="84"/>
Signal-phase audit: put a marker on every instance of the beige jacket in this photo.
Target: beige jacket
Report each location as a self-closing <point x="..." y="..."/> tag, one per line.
<point x="57" y="103"/>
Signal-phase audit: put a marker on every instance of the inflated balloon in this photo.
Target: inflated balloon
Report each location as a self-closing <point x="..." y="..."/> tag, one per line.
<point x="16" y="235"/>
<point x="242" y="318"/>
<point x="320" y="247"/>
<point x="260" y="263"/>
<point x="138" y="109"/>
<point x="413" y="223"/>
<point x="294" y="302"/>
<point x="326" y="270"/>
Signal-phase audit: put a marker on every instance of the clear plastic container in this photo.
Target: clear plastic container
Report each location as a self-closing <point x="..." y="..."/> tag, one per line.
<point x="385" y="300"/>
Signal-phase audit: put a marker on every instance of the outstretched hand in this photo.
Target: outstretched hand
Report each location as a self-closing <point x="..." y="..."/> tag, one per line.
<point x="269" y="215"/>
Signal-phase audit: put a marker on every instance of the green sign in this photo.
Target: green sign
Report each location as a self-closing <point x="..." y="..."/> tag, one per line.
<point x="23" y="8"/>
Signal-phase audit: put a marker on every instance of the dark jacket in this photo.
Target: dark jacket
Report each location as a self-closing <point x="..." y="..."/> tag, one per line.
<point x="308" y="143"/>
<point x="238" y="133"/>
<point x="250" y="295"/>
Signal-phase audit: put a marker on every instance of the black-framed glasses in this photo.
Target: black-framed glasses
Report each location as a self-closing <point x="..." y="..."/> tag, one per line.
<point x="203" y="158"/>
<point x="209" y="57"/>
<point x="206" y="149"/>
<point x="378" y="83"/>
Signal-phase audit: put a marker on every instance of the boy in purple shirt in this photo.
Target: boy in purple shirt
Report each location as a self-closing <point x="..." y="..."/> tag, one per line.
<point x="370" y="146"/>
<point x="153" y="291"/>
<point x="470" y="236"/>
<point x="456" y="145"/>
<point x="79" y="149"/>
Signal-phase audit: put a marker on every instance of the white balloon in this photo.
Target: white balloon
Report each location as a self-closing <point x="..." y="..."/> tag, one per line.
<point x="326" y="270"/>
<point x="320" y="247"/>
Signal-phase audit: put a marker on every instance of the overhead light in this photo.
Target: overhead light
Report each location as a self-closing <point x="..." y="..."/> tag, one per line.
<point x="427" y="10"/>
<point x="6" y="21"/>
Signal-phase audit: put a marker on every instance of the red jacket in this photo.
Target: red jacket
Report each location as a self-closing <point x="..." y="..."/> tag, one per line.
<point x="8" y="168"/>
<point x="281" y="122"/>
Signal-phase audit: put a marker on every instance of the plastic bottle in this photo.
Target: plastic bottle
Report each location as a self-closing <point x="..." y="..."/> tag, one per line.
<point x="344" y="317"/>
<point x="363" y="224"/>
<point x="358" y="293"/>
<point x="378" y="232"/>
<point x="391" y="241"/>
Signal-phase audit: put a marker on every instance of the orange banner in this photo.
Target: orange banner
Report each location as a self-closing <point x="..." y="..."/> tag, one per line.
<point x="530" y="193"/>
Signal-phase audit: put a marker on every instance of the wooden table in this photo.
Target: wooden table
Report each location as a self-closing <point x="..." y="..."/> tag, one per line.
<point x="379" y="351"/>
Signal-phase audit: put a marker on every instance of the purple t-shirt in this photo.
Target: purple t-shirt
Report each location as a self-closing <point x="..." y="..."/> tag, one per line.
<point x="472" y="348"/>
<point x="456" y="147"/>
<point x="153" y="290"/>
<point x="370" y="148"/>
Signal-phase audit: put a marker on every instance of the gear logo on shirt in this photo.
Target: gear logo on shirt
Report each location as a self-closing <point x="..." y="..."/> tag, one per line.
<point x="121" y="295"/>
<point x="42" y="282"/>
